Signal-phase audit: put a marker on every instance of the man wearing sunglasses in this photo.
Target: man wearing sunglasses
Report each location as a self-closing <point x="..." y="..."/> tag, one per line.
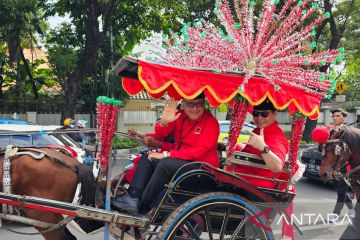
<point x="267" y="141"/>
<point x="195" y="133"/>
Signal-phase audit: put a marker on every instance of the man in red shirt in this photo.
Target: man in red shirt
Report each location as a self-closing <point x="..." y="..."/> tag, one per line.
<point x="195" y="132"/>
<point x="267" y="141"/>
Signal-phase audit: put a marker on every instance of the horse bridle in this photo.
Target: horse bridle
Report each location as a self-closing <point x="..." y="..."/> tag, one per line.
<point x="340" y="149"/>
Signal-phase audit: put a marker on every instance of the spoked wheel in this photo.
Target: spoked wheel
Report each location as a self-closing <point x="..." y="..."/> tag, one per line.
<point x="217" y="215"/>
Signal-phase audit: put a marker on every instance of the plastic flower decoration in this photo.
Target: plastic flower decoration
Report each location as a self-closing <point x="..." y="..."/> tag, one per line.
<point x="276" y="46"/>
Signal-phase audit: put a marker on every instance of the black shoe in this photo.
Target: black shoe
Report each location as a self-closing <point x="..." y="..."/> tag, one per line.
<point x="125" y="203"/>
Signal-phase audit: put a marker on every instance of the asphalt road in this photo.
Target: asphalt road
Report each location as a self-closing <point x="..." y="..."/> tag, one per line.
<point x="312" y="204"/>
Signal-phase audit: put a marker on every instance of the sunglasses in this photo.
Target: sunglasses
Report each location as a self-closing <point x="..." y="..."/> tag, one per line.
<point x="263" y="114"/>
<point x="194" y="104"/>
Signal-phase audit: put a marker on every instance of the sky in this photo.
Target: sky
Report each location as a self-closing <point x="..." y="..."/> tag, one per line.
<point x="56" y="20"/>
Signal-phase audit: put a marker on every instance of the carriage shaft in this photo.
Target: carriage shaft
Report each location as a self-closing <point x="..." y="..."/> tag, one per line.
<point x="26" y="220"/>
<point x="70" y="209"/>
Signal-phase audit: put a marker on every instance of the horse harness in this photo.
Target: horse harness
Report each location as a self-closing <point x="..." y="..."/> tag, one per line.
<point x="12" y="152"/>
<point x="351" y="178"/>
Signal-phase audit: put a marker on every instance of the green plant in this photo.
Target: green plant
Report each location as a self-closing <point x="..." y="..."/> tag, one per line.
<point x="122" y="143"/>
<point x="287" y="134"/>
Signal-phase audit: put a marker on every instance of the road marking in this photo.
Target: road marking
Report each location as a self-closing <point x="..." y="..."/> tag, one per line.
<point x="315" y="200"/>
<point x="316" y="226"/>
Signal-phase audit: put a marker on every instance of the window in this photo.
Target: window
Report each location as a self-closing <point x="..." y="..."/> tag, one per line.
<point x="40" y="140"/>
<point x="4" y="141"/>
<point x="224" y="127"/>
<point x="245" y="127"/>
<point x="20" y="140"/>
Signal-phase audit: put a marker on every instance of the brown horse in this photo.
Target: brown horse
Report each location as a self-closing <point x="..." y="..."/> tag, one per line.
<point x="55" y="176"/>
<point x="342" y="148"/>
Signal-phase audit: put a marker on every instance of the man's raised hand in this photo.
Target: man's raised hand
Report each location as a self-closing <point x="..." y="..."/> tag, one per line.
<point x="169" y="114"/>
<point x="257" y="141"/>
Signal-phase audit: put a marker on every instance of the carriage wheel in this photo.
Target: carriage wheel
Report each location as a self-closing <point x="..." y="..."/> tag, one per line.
<point x="217" y="215"/>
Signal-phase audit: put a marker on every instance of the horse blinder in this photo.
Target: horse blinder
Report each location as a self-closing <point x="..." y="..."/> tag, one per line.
<point x="338" y="150"/>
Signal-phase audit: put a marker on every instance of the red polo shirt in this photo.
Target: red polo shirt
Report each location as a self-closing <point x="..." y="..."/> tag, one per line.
<point x="276" y="140"/>
<point x="194" y="140"/>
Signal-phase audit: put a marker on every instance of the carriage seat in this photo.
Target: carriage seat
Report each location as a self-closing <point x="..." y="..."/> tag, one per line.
<point x="283" y="180"/>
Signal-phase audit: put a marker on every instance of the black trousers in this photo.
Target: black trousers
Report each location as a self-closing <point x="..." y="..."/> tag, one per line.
<point x="342" y="197"/>
<point x="353" y="229"/>
<point x="151" y="176"/>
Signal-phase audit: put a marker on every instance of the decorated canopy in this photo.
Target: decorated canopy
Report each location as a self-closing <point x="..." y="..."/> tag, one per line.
<point x="273" y="55"/>
<point x="158" y="79"/>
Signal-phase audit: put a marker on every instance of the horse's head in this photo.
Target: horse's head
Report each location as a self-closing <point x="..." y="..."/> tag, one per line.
<point x="335" y="153"/>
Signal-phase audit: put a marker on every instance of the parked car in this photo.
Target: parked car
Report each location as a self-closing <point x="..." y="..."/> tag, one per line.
<point x="225" y="128"/>
<point x="34" y="135"/>
<point x="312" y="158"/>
<point x="13" y="121"/>
<point x="15" y="134"/>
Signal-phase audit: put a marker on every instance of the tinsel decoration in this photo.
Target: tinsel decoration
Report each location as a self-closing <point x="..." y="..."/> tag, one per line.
<point x="277" y="45"/>
<point x="296" y="133"/>
<point x="331" y="90"/>
<point x="107" y="113"/>
<point x="238" y="116"/>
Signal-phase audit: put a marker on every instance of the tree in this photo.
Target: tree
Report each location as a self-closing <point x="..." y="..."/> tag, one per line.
<point x="128" y="20"/>
<point x="337" y="25"/>
<point x="351" y="43"/>
<point x="20" y="21"/>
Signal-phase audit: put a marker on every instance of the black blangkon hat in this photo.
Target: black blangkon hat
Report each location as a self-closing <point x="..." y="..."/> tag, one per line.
<point x="265" y="105"/>
<point x="201" y="95"/>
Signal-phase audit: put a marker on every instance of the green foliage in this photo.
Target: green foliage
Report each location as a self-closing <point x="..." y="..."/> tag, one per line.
<point x="287" y="134"/>
<point x="62" y="48"/>
<point x="352" y="78"/>
<point x="350" y="23"/>
<point x="22" y="26"/>
<point x="123" y="143"/>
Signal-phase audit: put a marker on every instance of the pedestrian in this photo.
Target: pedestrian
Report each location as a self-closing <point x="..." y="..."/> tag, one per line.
<point x="339" y="118"/>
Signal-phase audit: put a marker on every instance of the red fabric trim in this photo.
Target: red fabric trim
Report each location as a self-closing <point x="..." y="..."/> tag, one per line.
<point x="38" y="207"/>
<point x="219" y="88"/>
<point x="288" y="228"/>
<point x="70" y="150"/>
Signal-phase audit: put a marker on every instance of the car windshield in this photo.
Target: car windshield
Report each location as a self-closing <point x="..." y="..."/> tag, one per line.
<point x="225" y="128"/>
<point x="37" y="140"/>
<point x="246" y="128"/>
<point x="66" y="140"/>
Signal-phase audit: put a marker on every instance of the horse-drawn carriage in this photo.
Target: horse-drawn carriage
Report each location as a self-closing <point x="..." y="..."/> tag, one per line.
<point x="205" y="202"/>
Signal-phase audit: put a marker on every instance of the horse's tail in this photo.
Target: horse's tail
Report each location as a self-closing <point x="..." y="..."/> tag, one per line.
<point x="88" y="184"/>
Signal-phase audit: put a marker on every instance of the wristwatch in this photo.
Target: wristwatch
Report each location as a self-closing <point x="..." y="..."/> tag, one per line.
<point x="266" y="149"/>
